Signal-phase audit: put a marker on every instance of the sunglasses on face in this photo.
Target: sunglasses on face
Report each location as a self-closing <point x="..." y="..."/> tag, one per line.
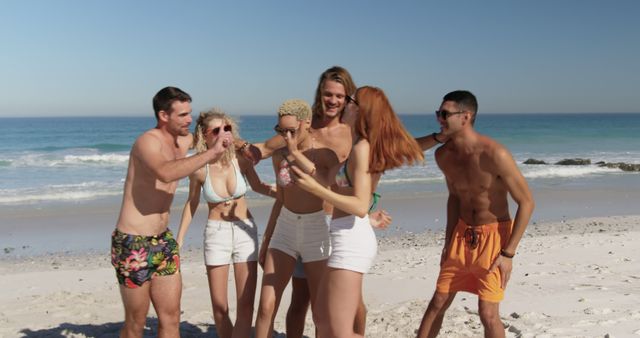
<point x="350" y="99"/>
<point x="284" y="131"/>
<point x="443" y="114"/>
<point x="215" y="131"/>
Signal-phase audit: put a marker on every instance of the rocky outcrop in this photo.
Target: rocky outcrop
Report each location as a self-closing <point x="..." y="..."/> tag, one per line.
<point x="534" y="161"/>
<point x="574" y="161"/>
<point x="620" y="165"/>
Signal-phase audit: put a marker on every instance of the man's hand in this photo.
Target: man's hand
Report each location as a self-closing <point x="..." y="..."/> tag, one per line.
<point x="223" y="142"/>
<point x="505" y="265"/>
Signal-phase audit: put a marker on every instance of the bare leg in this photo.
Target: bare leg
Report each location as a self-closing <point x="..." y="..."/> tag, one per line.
<point x="314" y="272"/>
<point x="490" y="317"/>
<point x="297" y="313"/>
<point x="246" y="276"/>
<point x="278" y="268"/>
<point x="218" y="276"/>
<point x="165" y="297"/>
<point x="136" y="306"/>
<point x="341" y="292"/>
<point x="432" y="319"/>
<point x="361" y="318"/>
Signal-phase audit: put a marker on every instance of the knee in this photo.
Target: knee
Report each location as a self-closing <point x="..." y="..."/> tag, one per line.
<point x="439" y="303"/>
<point x="220" y="310"/>
<point x="266" y="308"/>
<point x="489" y="316"/>
<point x="134" y="325"/>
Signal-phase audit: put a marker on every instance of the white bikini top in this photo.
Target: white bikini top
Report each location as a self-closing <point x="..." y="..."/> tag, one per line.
<point x="210" y="194"/>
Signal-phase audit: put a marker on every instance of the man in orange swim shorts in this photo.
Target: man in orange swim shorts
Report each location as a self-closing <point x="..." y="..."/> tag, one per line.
<point x="481" y="239"/>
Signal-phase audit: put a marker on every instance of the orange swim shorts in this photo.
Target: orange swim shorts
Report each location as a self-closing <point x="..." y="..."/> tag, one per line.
<point x="469" y="256"/>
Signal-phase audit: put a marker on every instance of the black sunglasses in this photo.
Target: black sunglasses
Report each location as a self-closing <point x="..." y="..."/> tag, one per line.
<point x="351" y="99"/>
<point x="284" y="131"/>
<point x="443" y="114"/>
<point x="215" y="131"/>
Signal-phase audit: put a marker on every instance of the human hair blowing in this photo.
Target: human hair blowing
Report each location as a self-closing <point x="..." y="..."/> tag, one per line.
<point x="391" y="146"/>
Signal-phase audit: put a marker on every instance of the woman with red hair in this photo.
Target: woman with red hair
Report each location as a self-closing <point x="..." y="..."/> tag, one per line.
<point x="381" y="143"/>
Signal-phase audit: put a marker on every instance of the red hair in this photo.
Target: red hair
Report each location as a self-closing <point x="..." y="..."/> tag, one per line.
<point x="391" y="145"/>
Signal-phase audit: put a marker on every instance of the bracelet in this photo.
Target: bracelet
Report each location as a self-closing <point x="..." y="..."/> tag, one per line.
<point x="434" y="135"/>
<point x="244" y="146"/>
<point x="506" y="254"/>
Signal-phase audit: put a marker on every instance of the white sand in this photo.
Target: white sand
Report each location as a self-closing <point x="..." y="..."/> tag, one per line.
<point x="574" y="278"/>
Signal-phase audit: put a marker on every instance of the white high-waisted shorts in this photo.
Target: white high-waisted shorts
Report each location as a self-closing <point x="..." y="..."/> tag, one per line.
<point x="230" y="242"/>
<point x="302" y="235"/>
<point x="353" y="244"/>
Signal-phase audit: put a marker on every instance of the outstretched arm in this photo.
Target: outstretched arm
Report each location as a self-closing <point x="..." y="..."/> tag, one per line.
<point x="255" y="152"/>
<point x="508" y="171"/>
<point x="148" y="148"/>
<point x="428" y="141"/>
<point x="190" y="207"/>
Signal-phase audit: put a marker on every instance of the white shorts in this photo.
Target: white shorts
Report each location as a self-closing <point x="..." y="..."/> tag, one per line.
<point x="353" y="244"/>
<point x="302" y="235"/>
<point x="230" y="242"/>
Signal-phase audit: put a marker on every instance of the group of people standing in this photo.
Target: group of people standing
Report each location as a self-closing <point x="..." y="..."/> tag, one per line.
<point x="328" y="159"/>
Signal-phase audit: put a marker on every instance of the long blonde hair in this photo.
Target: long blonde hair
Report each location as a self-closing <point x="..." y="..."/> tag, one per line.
<point x="203" y="123"/>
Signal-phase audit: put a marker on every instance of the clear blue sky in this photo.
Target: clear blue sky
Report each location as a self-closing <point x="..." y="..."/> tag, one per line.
<point x="71" y="58"/>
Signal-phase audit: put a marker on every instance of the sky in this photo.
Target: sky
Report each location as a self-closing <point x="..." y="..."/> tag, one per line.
<point x="108" y="58"/>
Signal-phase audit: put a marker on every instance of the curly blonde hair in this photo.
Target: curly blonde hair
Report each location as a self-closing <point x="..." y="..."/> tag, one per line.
<point x="203" y="123"/>
<point x="295" y="107"/>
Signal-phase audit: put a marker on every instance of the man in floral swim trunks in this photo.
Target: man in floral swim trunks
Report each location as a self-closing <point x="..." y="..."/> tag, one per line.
<point x="143" y="250"/>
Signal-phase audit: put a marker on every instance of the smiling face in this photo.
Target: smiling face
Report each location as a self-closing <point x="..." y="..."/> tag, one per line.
<point x="451" y="117"/>
<point x="333" y="98"/>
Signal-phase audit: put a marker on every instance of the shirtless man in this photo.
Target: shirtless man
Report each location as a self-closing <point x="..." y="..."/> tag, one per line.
<point x="143" y="250"/>
<point x="481" y="240"/>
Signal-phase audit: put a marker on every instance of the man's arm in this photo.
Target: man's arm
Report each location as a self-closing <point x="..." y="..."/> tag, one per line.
<point x="255" y="152"/>
<point x="517" y="186"/>
<point x="428" y="141"/>
<point x="148" y="148"/>
<point x="519" y="190"/>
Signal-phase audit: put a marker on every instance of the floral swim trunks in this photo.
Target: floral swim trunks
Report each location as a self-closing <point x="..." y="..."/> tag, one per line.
<point x="138" y="258"/>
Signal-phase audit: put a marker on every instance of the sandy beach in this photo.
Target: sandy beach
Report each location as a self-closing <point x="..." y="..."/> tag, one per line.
<point x="572" y="278"/>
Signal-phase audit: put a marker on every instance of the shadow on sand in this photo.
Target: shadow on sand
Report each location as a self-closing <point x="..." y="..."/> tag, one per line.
<point x="112" y="330"/>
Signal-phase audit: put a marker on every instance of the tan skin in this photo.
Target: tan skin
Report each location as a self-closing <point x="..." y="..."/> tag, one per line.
<point x="223" y="181"/>
<point x="328" y="132"/>
<point x="298" y="201"/>
<point x="157" y="161"/>
<point x="480" y="173"/>
<point x="342" y="289"/>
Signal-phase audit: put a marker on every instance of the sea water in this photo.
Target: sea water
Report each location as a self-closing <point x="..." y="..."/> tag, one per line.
<point x="78" y="159"/>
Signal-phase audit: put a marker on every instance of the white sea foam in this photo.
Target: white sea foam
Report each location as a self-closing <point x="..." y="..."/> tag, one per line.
<point x="59" y="192"/>
<point x="54" y="160"/>
<point x="554" y="171"/>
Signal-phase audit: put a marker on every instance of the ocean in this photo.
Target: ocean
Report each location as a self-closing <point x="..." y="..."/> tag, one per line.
<point x="78" y="159"/>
